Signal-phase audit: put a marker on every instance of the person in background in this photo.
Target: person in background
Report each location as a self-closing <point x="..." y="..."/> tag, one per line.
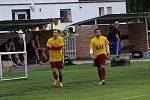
<point x="54" y="46"/>
<point x="99" y="51"/>
<point x="34" y="48"/>
<point x="68" y="33"/>
<point x="54" y="25"/>
<point x="109" y="37"/>
<point x="9" y="46"/>
<point x="18" y="44"/>
<point x="114" y="38"/>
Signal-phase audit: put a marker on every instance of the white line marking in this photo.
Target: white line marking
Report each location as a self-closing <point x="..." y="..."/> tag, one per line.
<point x="95" y="98"/>
<point x="134" y="97"/>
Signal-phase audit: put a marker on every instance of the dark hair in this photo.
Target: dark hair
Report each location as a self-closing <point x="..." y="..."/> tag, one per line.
<point x="96" y="30"/>
<point x="34" y="35"/>
<point x="70" y="29"/>
<point x="10" y="39"/>
<point x="16" y="39"/>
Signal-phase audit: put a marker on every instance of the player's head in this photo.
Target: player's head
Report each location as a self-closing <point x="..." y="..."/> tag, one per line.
<point x="97" y="32"/>
<point x="116" y="23"/>
<point x="55" y="33"/>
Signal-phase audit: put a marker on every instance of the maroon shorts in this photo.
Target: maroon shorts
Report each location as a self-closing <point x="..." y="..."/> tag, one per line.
<point x="58" y="64"/>
<point x="100" y="60"/>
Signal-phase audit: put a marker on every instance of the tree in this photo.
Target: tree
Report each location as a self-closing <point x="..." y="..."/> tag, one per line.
<point x="138" y="6"/>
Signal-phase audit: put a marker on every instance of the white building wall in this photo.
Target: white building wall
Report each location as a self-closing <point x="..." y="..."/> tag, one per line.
<point x="118" y="8"/>
<point x="80" y="11"/>
<point x="54" y="1"/>
<point x="6" y="11"/>
<point x="36" y="1"/>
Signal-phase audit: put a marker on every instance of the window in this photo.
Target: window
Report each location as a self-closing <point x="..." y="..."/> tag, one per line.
<point x="109" y="10"/>
<point x="101" y="11"/>
<point x="21" y="14"/>
<point x="65" y="15"/>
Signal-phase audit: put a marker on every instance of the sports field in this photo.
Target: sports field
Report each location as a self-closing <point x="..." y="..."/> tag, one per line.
<point x="81" y="83"/>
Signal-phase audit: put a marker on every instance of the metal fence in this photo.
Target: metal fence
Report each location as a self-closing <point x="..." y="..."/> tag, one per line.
<point x="69" y="48"/>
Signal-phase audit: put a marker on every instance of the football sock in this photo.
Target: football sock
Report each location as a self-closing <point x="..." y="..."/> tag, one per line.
<point x="99" y="74"/>
<point x="55" y="75"/>
<point x="60" y="78"/>
<point x="103" y="74"/>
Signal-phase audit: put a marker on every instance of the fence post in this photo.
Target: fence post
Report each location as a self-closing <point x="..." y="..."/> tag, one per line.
<point x="1" y="72"/>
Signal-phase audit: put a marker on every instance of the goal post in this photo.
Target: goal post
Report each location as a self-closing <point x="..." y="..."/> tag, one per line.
<point x="24" y="68"/>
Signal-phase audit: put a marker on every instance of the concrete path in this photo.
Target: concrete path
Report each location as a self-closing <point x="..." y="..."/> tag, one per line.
<point x="90" y="61"/>
<point x="47" y="65"/>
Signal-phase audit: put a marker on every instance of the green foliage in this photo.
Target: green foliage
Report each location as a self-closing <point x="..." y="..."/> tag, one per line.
<point x="120" y="61"/>
<point x="81" y="83"/>
<point x="138" y="6"/>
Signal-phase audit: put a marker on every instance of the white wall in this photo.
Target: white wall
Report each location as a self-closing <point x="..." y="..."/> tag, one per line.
<point x="36" y="1"/>
<point x="93" y="9"/>
<point x="42" y="11"/>
<point x="6" y="11"/>
<point x="118" y="7"/>
<point x="13" y="1"/>
<point x="54" y="1"/>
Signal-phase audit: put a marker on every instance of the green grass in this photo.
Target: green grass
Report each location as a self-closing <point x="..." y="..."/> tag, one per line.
<point x="13" y="74"/>
<point x="81" y="83"/>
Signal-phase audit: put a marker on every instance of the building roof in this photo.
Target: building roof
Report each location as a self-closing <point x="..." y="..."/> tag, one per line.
<point x="15" y="25"/>
<point x="110" y="18"/>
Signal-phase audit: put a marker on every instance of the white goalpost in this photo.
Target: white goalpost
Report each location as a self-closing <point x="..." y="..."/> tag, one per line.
<point x="24" y="53"/>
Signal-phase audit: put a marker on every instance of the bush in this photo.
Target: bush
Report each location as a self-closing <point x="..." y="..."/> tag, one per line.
<point x="120" y="61"/>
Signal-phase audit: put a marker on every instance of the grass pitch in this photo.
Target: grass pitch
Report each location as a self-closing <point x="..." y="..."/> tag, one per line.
<point x="81" y="83"/>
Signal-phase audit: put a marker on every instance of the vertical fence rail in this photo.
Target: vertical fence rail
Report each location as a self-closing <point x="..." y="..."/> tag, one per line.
<point x="69" y="48"/>
<point x="1" y="70"/>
